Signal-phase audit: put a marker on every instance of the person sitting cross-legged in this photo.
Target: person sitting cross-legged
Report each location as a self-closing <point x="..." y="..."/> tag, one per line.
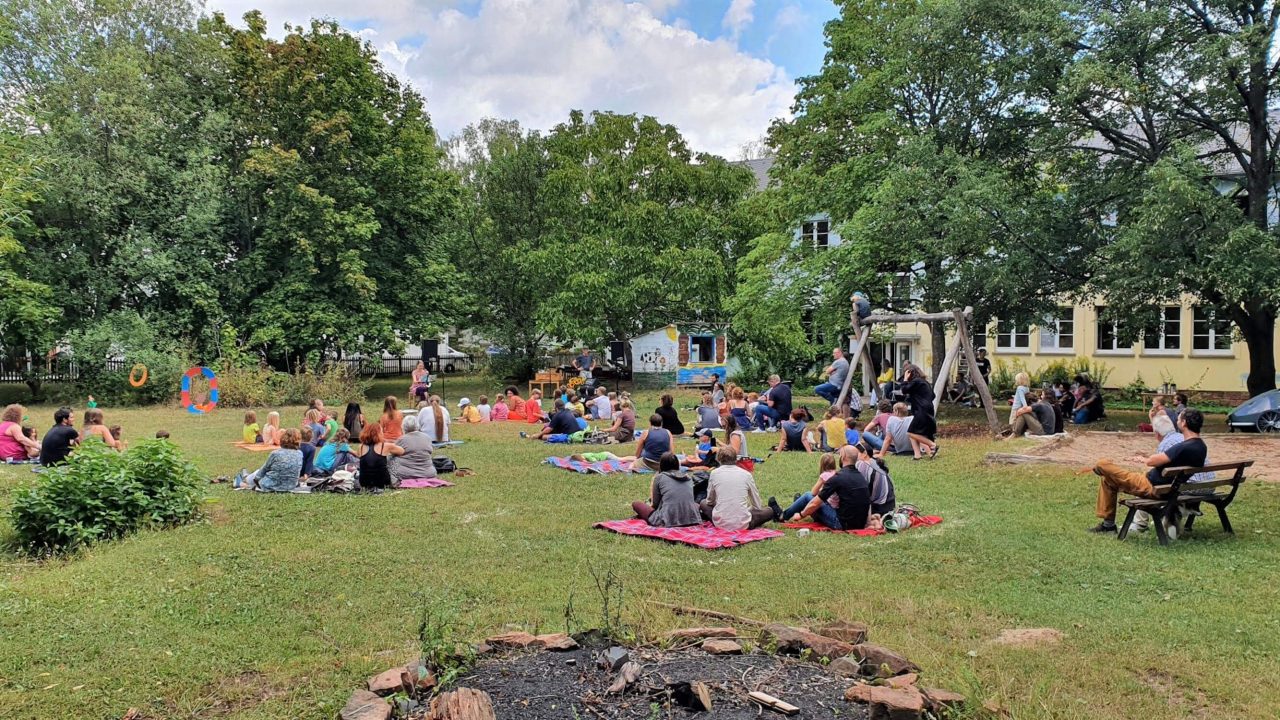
<point x="794" y="435"/>
<point x="844" y="500"/>
<point x="671" y="502"/>
<point x="561" y="422"/>
<point x="653" y="442"/>
<point x="733" y="501"/>
<point x="281" y="471"/>
<point x="1191" y="452"/>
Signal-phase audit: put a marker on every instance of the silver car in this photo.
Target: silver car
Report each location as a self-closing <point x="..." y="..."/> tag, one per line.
<point x="1260" y="413"/>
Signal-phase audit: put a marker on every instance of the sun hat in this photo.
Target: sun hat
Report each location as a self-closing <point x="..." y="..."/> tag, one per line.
<point x="464" y="401"/>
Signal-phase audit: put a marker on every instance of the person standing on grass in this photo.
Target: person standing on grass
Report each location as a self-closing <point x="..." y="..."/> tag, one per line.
<point x="281" y="471"/>
<point x="671" y="502"/>
<point x="1191" y="452"/>
<point x="585" y="364"/>
<point x="14" y="444"/>
<point x="917" y="391"/>
<point x="836" y="373"/>
<point x="60" y="439"/>
<point x="733" y="501"/>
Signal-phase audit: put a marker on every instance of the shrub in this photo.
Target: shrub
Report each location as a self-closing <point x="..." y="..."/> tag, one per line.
<point x="100" y="494"/>
<point x="259" y="387"/>
<point x="105" y="352"/>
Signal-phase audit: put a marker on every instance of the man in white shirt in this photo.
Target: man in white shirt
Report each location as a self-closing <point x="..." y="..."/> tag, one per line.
<point x="733" y="501"/>
<point x="601" y="407"/>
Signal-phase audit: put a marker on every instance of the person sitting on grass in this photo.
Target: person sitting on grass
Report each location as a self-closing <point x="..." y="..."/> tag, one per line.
<point x="704" y="456"/>
<point x="515" y="404"/>
<point x="308" y="450"/>
<point x="391" y="419"/>
<point x="735" y="436"/>
<point x="485" y="409"/>
<point x="331" y="426"/>
<point x="500" y="412"/>
<point x="874" y="469"/>
<point x="561" y="422"/>
<point x="832" y="430"/>
<point x="416" y="461"/>
<point x="1027" y="419"/>
<point x="60" y="440"/>
<point x="623" y="429"/>
<point x="708" y="415"/>
<point x="844" y="500"/>
<point x="774" y="406"/>
<point x="335" y="454"/>
<point x="671" y="502"/>
<point x="314" y="419"/>
<point x="375" y="452"/>
<point x="353" y="420"/>
<point x="733" y="501"/>
<point x="575" y="404"/>
<point x="851" y="434"/>
<point x="94" y="428"/>
<point x="897" y="437"/>
<point x="827" y="466"/>
<point x="1019" y="401"/>
<point x="875" y="432"/>
<point x="793" y="436"/>
<point x="1191" y="452"/>
<point x="251" y="432"/>
<point x="670" y="418"/>
<point x="1088" y="407"/>
<point x="469" y="413"/>
<point x="281" y="471"/>
<point x="14" y="443"/>
<point x="601" y="405"/>
<point x="433" y="419"/>
<point x="653" y="443"/>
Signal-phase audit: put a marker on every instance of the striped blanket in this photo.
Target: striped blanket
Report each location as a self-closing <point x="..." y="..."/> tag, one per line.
<point x="601" y="468"/>
<point x="705" y="536"/>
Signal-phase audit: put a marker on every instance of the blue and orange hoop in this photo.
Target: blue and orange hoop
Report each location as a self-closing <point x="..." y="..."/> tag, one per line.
<point x="205" y="407"/>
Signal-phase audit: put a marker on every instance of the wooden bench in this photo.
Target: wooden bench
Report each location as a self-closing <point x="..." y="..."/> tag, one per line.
<point x="1182" y="493"/>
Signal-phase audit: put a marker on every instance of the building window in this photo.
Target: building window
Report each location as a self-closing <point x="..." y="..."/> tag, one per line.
<point x="816" y="232"/>
<point x="1108" y="334"/>
<point x="1167" y="335"/>
<point x="1012" y="337"/>
<point x="702" y="348"/>
<point x="1058" y="334"/>
<point x="1208" y="332"/>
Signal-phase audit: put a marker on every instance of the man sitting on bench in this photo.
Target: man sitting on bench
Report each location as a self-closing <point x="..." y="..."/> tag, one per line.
<point x="1191" y="452"/>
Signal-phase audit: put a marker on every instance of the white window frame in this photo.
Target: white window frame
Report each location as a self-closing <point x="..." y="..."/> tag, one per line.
<point x="1013" y="334"/>
<point x="1116" y="348"/>
<point x="1162" y="347"/>
<point x="1201" y="314"/>
<point x="1053" y="330"/>
<point x="813" y="230"/>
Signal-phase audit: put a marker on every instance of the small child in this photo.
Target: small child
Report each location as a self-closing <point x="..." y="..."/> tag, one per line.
<point x="486" y="412"/>
<point x="582" y="422"/>
<point x="753" y="399"/>
<point x="331" y="456"/>
<point x="827" y="465"/>
<point x="832" y="430"/>
<point x="116" y="431"/>
<point x="500" y="409"/>
<point x="314" y="419"/>
<point x="575" y="404"/>
<point x="706" y="448"/>
<point x="308" y="452"/>
<point x="851" y="434"/>
<point x="252" y="431"/>
<point x="613" y="402"/>
<point x="271" y="432"/>
<point x="468" y="411"/>
<point x="30" y="432"/>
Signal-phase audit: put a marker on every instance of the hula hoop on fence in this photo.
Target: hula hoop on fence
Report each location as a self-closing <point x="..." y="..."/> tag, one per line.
<point x="135" y="379"/>
<point x="205" y="407"/>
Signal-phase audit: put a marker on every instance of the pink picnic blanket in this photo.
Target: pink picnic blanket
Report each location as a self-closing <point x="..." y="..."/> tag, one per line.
<point x="916" y="522"/>
<point x="601" y="468"/>
<point x="705" y="535"/>
<point x="424" y="483"/>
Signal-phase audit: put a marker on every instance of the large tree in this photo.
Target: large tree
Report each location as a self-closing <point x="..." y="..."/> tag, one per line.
<point x="1174" y="144"/>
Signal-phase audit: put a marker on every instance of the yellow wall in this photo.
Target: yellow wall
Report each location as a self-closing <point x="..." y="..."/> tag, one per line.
<point x="1213" y="371"/>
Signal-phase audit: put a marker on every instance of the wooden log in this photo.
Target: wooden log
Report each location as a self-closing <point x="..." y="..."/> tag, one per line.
<point x="858" y="347"/>
<point x="1016" y="459"/>
<point x="914" y="317"/>
<point x="771" y="702"/>
<point x="682" y="610"/>
<point x="462" y="704"/>
<point x="975" y="376"/>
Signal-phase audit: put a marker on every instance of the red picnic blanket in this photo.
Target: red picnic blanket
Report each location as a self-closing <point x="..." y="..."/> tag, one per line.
<point x="705" y="535"/>
<point x="916" y="521"/>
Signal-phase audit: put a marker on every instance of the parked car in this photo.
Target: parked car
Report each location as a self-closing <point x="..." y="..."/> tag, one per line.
<point x="1260" y="413"/>
<point x="453" y="360"/>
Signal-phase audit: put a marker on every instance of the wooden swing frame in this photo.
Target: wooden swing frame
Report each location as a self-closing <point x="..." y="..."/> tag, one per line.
<point x="962" y="343"/>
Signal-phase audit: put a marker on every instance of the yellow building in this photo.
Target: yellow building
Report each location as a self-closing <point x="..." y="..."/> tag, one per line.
<point x="1191" y="349"/>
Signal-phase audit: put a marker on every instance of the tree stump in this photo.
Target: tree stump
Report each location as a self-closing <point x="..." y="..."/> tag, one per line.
<point x="462" y="704"/>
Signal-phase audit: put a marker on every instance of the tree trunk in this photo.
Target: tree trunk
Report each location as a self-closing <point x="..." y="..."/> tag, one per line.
<point x="938" y="341"/>
<point x="1258" y="327"/>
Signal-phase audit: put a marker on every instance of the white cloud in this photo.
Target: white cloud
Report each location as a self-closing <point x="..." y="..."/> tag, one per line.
<point x="738" y="16"/>
<point x="534" y="61"/>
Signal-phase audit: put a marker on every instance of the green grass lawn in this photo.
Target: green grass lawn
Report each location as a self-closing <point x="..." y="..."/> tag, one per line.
<point x="277" y="606"/>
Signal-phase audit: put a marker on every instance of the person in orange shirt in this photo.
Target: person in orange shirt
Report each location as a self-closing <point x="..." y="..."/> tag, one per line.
<point x="391" y="420"/>
<point x="515" y="404"/>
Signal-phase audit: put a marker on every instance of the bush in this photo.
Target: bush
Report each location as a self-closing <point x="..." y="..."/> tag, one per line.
<point x="100" y="494"/>
<point x="260" y="387"/>
<point x="106" y="351"/>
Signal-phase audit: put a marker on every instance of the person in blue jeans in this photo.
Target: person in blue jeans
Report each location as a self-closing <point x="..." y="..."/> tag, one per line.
<point x="836" y="373"/>
<point x="827" y="466"/>
<point x="841" y="502"/>
<point x="774" y="405"/>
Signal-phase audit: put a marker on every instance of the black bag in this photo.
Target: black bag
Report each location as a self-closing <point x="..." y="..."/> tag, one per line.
<point x="443" y="465"/>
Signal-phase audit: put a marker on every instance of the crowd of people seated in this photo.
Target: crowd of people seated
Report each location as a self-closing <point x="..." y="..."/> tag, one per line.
<point x="21" y="443"/>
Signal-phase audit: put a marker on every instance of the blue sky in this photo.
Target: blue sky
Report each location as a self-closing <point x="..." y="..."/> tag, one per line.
<point x="720" y="70"/>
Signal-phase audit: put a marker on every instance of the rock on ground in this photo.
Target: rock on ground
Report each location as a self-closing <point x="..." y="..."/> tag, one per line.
<point x="721" y="647"/>
<point x="364" y="705"/>
<point x="881" y="661"/>
<point x="794" y="641"/>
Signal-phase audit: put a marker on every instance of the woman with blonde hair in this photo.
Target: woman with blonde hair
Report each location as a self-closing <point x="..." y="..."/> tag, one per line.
<point x="1023" y="382"/>
<point x="94" y="428"/>
<point x="14" y="444"/>
<point x="271" y="432"/>
<point x="391" y="420"/>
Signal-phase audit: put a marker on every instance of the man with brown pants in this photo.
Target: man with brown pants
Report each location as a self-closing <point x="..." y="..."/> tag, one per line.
<point x="1191" y="452"/>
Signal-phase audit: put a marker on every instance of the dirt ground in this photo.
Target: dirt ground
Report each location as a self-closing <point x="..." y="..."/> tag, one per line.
<point x="1082" y="450"/>
<point x="546" y="686"/>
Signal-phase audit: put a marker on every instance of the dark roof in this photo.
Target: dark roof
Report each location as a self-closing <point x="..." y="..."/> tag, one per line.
<point x="760" y="167"/>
